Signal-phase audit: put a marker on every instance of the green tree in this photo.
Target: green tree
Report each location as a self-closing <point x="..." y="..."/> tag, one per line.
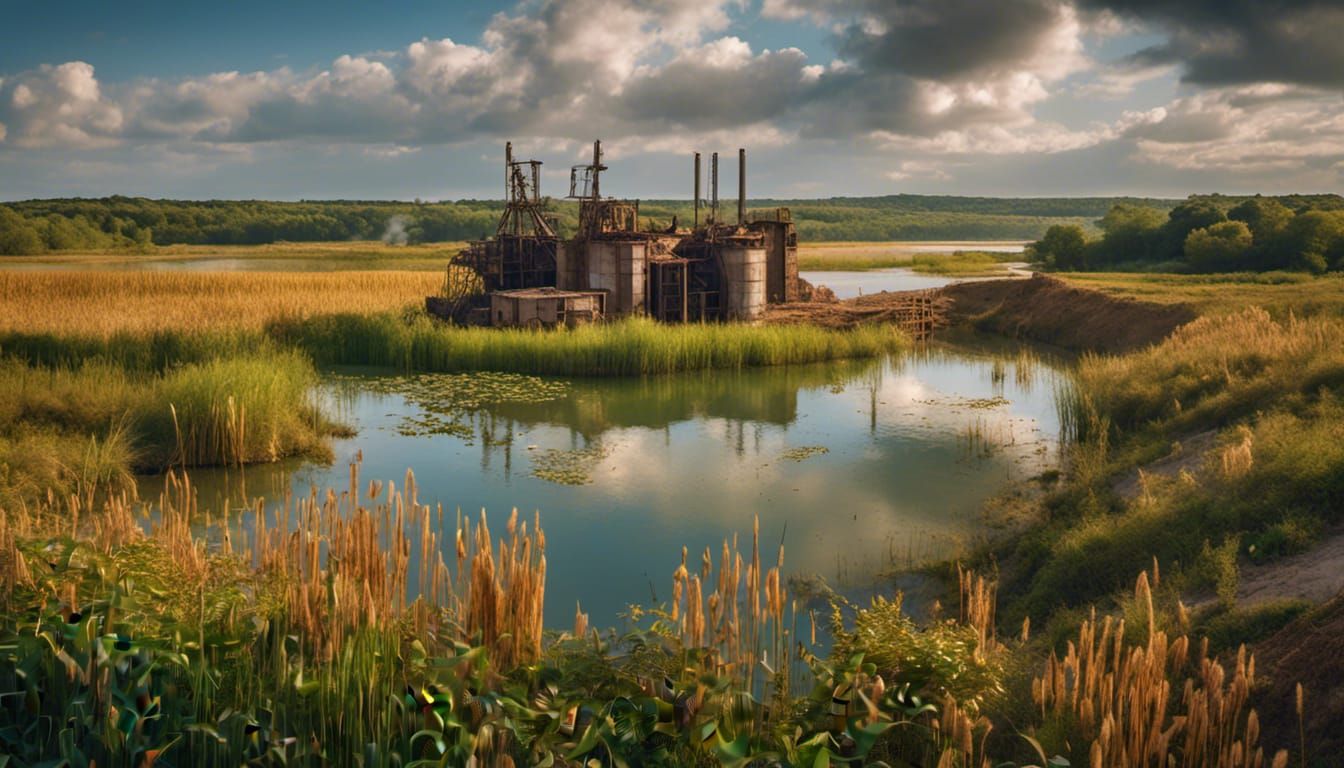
<point x="1130" y="233"/>
<point x="1314" y="241"/>
<point x="1266" y="217"/>
<point x="1184" y="219"/>
<point x="1222" y="247"/>
<point x="1064" y="246"/>
<point x="18" y="237"/>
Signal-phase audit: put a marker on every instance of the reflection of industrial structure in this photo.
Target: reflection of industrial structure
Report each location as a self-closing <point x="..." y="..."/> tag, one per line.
<point x="526" y="275"/>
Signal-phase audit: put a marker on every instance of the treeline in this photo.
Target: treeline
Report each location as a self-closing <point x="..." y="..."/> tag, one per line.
<point x="39" y="226"/>
<point x="1206" y="234"/>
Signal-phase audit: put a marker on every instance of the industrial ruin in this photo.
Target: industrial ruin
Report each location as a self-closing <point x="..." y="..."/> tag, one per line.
<point x="715" y="270"/>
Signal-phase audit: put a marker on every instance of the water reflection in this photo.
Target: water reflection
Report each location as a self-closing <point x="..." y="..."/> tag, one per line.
<point x="912" y="447"/>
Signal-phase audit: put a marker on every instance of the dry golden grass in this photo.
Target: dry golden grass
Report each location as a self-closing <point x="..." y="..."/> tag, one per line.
<point x="1122" y="702"/>
<point x="90" y="303"/>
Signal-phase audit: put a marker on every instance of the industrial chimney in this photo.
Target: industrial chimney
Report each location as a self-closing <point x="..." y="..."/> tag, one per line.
<point x="697" y="192"/>
<point x="714" y="188"/>
<point x="741" y="186"/>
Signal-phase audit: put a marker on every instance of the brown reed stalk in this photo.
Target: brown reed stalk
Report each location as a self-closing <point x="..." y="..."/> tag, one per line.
<point x="1122" y="703"/>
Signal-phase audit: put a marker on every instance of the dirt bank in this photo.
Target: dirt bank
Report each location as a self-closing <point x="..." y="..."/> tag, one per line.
<point x="899" y="307"/>
<point x="1311" y="651"/>
<point x="1049" y="310"/>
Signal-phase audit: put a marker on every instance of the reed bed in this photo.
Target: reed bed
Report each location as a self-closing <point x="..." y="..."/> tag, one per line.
<point x="1132" y="706"/>
<point x="623" y="348"/>
<point x="362" y="626"/>
<point x="102" y="304"/>
<point x="255" y="407"/>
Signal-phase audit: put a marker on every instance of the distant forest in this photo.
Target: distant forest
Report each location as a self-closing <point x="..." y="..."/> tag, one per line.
<point x="1302" y="233"/>
<point x="40" y="226"/>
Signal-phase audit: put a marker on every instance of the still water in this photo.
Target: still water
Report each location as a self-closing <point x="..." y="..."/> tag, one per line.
<point x="857" y="467"/>
<point x="847" y="285"/>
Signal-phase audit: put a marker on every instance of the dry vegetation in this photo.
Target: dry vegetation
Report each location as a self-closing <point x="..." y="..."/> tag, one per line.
<point x="1279" y="293"/>
<point x="102" y="303"/>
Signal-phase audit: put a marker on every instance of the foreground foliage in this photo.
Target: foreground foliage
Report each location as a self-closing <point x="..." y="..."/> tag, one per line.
<point x="365" y="628"/>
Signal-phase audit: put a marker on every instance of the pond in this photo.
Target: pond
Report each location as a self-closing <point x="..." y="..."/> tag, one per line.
<point x="858" y="467"/>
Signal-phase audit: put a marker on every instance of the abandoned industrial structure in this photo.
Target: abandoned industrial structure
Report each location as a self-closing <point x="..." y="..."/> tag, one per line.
<point x="527" y="275"/>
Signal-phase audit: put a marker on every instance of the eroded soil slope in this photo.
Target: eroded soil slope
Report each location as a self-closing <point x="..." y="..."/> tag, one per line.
<point x="1049" y="310"/>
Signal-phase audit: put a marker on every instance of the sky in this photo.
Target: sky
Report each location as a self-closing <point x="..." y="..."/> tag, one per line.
<point x="400" y="100"/>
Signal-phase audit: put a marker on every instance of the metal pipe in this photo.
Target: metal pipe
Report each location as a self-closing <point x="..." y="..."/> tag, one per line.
<point x="714" y="188"/>
<point x="741" y="187"/>
<point x="696" y="225"/>
<point x="508" y="170"/>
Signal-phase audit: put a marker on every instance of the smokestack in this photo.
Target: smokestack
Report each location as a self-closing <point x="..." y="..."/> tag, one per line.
<point x="508" y="170"/>
<point x="714" y="188"/>
<point x="697" y="192"/>
<point x="597" y="167"/>
<point x="741" y="187"/>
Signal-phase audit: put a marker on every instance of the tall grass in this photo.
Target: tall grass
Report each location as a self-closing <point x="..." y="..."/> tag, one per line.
<point x="1213" y="370"/>
<point x="624" y="348"/>
<point x="362" y="627"/>
<point x="101" y="304"/>
<point x="1115" y="706"/>
<point x="84" y="429"/>
<point x="1263" y="398"/>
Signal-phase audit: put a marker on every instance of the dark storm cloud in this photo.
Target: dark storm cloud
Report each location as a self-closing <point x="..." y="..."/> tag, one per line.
<point x="938" y="39"/>
<point x="1223" y="42"/>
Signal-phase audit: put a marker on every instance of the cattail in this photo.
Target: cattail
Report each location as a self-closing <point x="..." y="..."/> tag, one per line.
<point x="580" y="621"/>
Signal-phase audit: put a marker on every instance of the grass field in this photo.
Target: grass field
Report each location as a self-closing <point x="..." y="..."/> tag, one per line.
<point x="103" y="303"/>
<point x="849" y="257"/>
<point x="1278" y="293"/>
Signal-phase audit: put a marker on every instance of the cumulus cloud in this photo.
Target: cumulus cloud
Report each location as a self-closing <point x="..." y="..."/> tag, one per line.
<point x="58" y="106"/>
<point x="930" y="83"/>
<point x="1245" y="129"/>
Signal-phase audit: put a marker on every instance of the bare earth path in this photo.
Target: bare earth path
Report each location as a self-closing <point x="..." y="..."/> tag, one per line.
<point x="1316" y="575"/>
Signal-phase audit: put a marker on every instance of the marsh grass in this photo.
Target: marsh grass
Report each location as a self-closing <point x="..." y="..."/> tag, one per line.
<point x="101" y="305"/>
<point x="963" y="263"/>
<point x="83" y="430"/>
<point x="624" y="348"/>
